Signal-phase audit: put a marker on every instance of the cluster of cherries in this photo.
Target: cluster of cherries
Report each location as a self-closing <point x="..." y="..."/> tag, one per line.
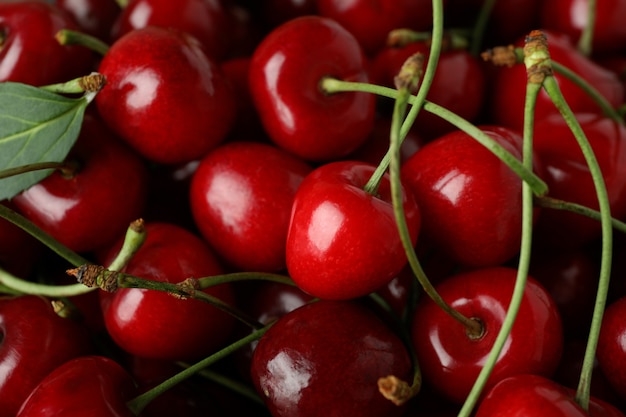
<point x="244" y="135"/>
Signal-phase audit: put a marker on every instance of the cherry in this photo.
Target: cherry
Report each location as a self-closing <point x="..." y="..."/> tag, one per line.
<point x="90" y="204"/>
<point x="471" y="199"/>
<point x="451" y="358"/>
<point x="343" y="242"/>
<point x="506" y="102"/>
<point x="568" y="177"/>
<point x="94" y="17"/>
<point x="164" y="96"/>
<point x="241" y="197"/>
<point x="328" y="354"/>
<point x="370" y="21"/>
<point x="29" y="51"/>
<point x="528" y="395"/>
<point x="154" y="324"/>
<point x="85" y="386"/>
<point x="34" y="340"/>
<point x="286" y="69"/>
<point x="611" y="351"/>
<point x="207" y="20"/>
<point x="19" y="251"/>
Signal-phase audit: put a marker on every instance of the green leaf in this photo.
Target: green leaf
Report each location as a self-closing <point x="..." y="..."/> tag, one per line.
<point x="35" y="126"/>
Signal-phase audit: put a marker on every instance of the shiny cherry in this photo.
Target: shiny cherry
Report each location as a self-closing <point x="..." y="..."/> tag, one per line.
<point x="343" y="242"/>
<point x="34" y="340"/>
<point x="451" y="357"/>
<point x="164" y="96"/>
<point x="154" y="324"/>
<point x="328" y="355"/>
<point x="286" y="70"/>
<point x="241" y="197"/>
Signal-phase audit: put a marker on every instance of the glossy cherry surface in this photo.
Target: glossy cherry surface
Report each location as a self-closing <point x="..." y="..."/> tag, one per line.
<point x="164" y="96"/>
<point x="241" y="197"/>
<point x="451" y="359"/>
<point x="85" y="386"/>
<point x="331" y="213"/>
<point x="328" y="354"/>
<point x="34" y="340"/>
<point x="91" y="205"/>
<point x="471" y="199"/>
<point x="285" y="74"/>
<point x="154" y="324"/>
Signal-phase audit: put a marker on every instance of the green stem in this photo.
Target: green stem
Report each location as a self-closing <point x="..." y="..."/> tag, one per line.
<point x="480" y="26"/>
<point x="133" y="240"/>
<point x="63" y="251"/>
<point x="233" y="385"/>
<point x="553" y="203"/>
<point x="10" y="172"/>
<point x="72" y="37"/>
<point x="90" y="85"/>
<point x="22" y="286"/>
<point x="206" y="282"/>
<point x="538" y="186"/>
<point x="140" y="402"/>
<point x="585" y="43"/>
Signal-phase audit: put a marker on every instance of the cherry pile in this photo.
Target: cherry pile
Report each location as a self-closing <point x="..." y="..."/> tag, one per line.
<point x="316" y="207"/>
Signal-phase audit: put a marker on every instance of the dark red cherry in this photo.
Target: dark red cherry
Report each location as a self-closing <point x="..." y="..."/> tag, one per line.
<point x="164" y="96"/>
<point x="286" y="70"/>
<point x="241" y="197"/>
<point x="451" y="358"/>
<point x="154" y="324"/>
<point x="85" y="386"/>
<point x="328" y="355"/>
<point x="34" y="340"/>
<point x="611" y="351"/>
<point x="343" y="242"/>
<point x="29" y="51"/>
<point x="19" y="251"/>
<point x="94" y="17"/>
<point x="91" y="204"/>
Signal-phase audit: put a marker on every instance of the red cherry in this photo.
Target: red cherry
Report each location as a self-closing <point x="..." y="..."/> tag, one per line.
<point x="285" y="74"/>
<point x="370" y="21"/>
<point x="29" y="51"/>
<point x="569" y="179"/>
<point x="86" y="386"/>
<point x="95" y="17"/>
<point x="207" y="20"/>
<point x="34" y="340"/>
<point x="611" y="351"/>
<point x="328" y="355"/>
<point x="164" y="96"/>
<point x="153" y="324"/>
<point x="90" y="208"/>
<point x="534" y="395"/>
<point x="241" y="197"/>
<point x="343" y="242"/>
<point x="451" y="359"/>
<point x="471" y="199"/>
<point x="506" y="103"/>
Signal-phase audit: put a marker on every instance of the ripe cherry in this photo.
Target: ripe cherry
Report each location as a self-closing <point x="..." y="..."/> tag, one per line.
<point x="451" y="358"/>
<point x="611" y="352"/>
<point x="286" y="70"/>
<point x="94" y="17"/>
<point x="164" y="96"/>
<point x="328" y="354"/>
<point x="343" y="242"/>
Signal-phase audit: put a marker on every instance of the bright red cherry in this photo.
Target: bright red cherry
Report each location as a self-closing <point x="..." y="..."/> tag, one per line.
<point x="91" y="204"/>
<point x="328" y="356"/>
<point x="29" y="51"/>
<point x="471" y="199"/>
<point x="164" y="96"/>
<point x="85" y="386"/>
<point x="34" y="340"/>
<point x="241" y="197"/>
<point x="343" y="242"/>
<point x="451" y="358"/>
<point x="285" y="74"/>
<point x="154" y="324"/>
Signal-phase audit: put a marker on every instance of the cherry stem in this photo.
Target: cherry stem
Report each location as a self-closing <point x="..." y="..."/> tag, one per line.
<point x="207" y="282"/>
<point x="427" y="80"/>
<point x="67" y="37"/>
<point x="90" y="85"/>
<point x="541" y="58"/>
<point x="399" y="111"/>
<point x="585" y="42"/>
<point x="38" y="166"/>
<point x="231" y="384"/>
<point x="555" y="203"/>
<point x="538" y="186"/>
<point x="133" y="240"/>
<point x="480" y="26"/>
<point x="140" y="402"/>
<point x="532" y="92"/>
